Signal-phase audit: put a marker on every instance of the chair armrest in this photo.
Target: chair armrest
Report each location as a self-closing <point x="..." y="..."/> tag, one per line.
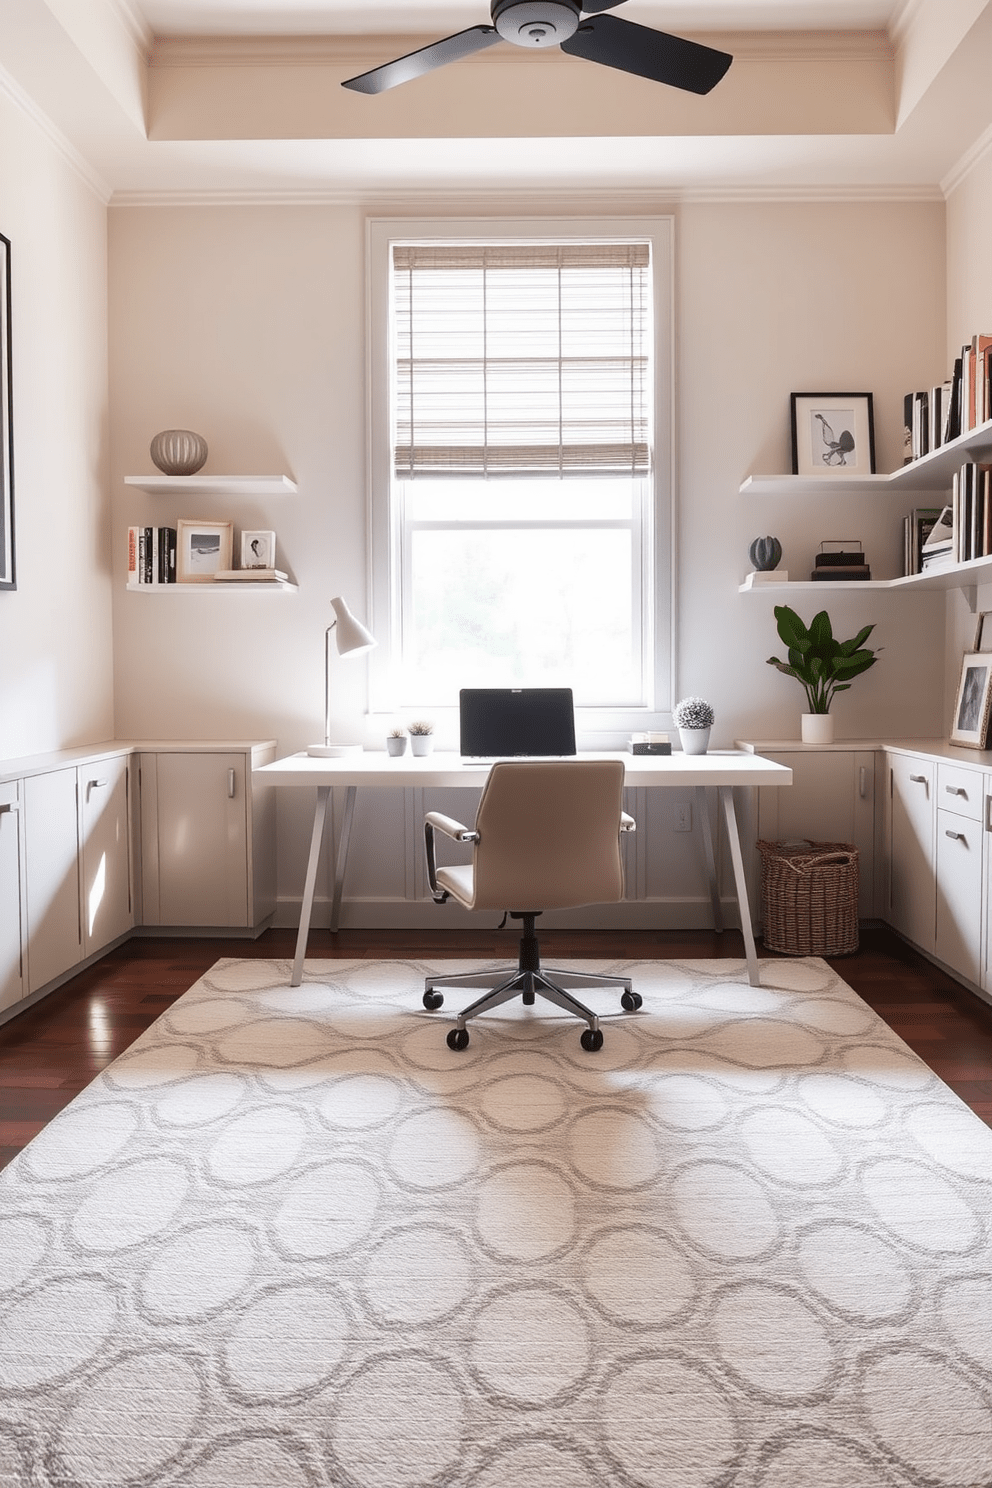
<point x="436" y="820"/>
<point x="627" y="823"/>
<point x="450" y="827"/>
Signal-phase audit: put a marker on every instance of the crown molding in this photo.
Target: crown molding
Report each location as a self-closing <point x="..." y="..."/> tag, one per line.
<point x="962" y="168"/>
<point x="133" y="21"/>
<point x="64" y="147"/>
<point x="455" y="200"/>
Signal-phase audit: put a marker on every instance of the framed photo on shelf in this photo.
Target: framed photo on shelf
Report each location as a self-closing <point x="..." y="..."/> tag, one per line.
<point x="974" y="699"/>
<point x="833" y="434"/>
<point x="201" y="549"/>
<point x="7" y="574"/>
<point x="258" y="550"/>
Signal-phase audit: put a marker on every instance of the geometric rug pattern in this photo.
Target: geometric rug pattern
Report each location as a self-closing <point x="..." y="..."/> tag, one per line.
<point x="291" y="1240"/>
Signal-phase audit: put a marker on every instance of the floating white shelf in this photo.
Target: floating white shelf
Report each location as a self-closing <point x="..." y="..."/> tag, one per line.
<point x="213" y="485"/>
<point x="271" y="586"/>
<point x="960" y="576"/>
<point x="933" y="472"/>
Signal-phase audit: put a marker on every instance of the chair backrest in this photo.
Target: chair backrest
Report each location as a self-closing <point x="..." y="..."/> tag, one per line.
<point x="549" y="835"/>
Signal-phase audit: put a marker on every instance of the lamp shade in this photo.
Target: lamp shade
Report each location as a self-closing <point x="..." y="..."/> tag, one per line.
<point x="350" y="634"/>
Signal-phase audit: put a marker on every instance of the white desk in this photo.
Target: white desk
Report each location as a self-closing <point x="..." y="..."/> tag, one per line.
<point x="719" y="770"/>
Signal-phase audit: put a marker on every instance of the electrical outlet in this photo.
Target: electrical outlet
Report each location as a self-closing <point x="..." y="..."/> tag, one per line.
<point x="683" y="816"/>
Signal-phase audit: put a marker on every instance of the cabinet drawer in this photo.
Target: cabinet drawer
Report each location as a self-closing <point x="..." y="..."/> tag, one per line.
<point x="959" y="789"/>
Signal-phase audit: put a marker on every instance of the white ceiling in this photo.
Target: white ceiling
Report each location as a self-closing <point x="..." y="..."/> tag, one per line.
<point x="394" y="17"/>
<point x="240" y="99"/>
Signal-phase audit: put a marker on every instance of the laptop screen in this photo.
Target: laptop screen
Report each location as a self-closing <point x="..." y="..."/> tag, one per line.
<point x="504" y="721"/>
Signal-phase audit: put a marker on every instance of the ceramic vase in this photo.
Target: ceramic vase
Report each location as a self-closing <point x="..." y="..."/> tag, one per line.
<point x="817" y="728"/>
<point x="396" y="746"/>
<point x="179" y="451"/>
<point x="421" y="743"/>
<point x="694" y="740"/>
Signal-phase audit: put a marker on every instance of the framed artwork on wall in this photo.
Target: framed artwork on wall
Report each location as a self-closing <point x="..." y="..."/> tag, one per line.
<point x="201" y="549"/>
<point x="258" y="550"/>
<point x="833" y="434"/>
<point x="970" y="726"/>
<point x="7" y="569"/>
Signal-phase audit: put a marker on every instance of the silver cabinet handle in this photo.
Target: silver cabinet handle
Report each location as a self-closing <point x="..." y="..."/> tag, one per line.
<point x="955" y="836"/>
<point x="988" y="813"/>
<point x="231" y="783"/>
<point x="956" y="790"/>
<point x="11" y="806"/>
<point x="918" y="779"/>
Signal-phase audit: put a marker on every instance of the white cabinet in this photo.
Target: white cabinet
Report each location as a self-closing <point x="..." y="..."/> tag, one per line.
<point x="208" y="839"/>
<point x="831" y="799"/>
<point x="51" y="858"/>
<point x="105" y="860"/>
<point x="12" y="908"/>
<point x="909" y="841"/>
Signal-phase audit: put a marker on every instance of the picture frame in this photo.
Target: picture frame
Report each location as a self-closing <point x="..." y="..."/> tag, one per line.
<point x="258" y="550"/>
<point x="973" y="701"/>
<point x="202" y="547"/>
<point x="8" y="574"/>
<point x="833" y="434"/>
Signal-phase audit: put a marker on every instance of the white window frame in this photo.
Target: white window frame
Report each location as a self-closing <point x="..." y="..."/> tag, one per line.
<point x="603" y="726"/>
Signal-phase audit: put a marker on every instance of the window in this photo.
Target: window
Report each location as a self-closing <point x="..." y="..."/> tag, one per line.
<point x="516" y="527"/>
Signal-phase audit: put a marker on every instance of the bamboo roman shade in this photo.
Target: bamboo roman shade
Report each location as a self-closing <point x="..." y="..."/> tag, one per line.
<point x="521" y="359"/>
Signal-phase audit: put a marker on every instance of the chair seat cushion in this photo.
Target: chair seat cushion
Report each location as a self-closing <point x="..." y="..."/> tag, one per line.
<point x="459" y="880"/>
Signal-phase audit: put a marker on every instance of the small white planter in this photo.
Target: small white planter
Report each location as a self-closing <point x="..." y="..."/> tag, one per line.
<point x="694" y="741"/>
<point x="396" y="746"/>
<point x="421" y="743"/>
<point x="817" y="728"/>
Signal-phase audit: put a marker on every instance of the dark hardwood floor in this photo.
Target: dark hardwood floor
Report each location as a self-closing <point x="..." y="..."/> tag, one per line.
<point x="55" y="1049"/>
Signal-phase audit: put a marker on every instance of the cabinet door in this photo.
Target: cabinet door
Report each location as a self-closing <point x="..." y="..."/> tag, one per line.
<point x="959" y="893"/>
<point x="912" y="888"/>
<point x="51" y="857"/>
<point x="202" y="840"/>
<point x="104" y="828"/>
<point x="12" y="981"/>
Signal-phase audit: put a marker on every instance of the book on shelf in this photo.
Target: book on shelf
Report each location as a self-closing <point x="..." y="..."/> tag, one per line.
<point x="250" y="576"/>
<point x="841" y="573"/>
<point x="151" y="555"/>
<point x="917" y="527"/>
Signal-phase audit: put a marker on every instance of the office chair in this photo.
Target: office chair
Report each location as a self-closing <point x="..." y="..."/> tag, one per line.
<point x="547" y="833"/>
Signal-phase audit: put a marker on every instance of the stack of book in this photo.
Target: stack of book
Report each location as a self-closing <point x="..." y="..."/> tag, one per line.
<point x="151" y="555"/>
<point x="250" y="576"/>
<point x="939" y="414"/>
<point x="917" y="526"/>
<point x="840" y="564"/>
<point x="971" y="512"/>
<point x="937" y="549"/>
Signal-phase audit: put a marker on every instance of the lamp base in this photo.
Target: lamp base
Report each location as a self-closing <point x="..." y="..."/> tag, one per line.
<point x="332" y="751"/>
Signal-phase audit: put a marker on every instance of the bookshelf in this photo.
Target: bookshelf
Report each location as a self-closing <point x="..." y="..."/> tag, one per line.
<point x="932" y="473"/>
<point x="270" y="586"/>
<point x="213" y="485"/>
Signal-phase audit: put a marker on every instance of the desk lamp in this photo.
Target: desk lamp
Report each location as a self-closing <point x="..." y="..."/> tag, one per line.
<point x="352" y="639"/>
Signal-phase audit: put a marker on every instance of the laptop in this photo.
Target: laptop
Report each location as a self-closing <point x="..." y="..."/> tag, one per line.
<point x="509" y="722"/>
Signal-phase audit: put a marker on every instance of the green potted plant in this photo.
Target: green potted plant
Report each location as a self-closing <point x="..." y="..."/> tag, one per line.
<point x="822" y="665"/>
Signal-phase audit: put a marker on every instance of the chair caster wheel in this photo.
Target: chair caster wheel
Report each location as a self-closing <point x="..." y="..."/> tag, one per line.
<point x="458" y="1039"/>
<point x="591" y="1040"/>
<point x="433" y="1000"/>
<point x="631" y="1001"/>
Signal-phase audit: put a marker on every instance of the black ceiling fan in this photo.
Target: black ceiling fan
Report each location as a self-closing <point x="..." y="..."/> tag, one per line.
<point x="578" y="27"/>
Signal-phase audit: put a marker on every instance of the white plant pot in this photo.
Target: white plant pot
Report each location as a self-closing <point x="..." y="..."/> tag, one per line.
<point x="694" y="741"/>
<point x="421" y="743"/>
<point x="817" y="728"/>
<point x="396" y="747"/>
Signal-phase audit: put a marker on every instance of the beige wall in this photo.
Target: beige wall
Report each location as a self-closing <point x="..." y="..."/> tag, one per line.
<point x="247" y="324"/>
<point x="56" y="676"/>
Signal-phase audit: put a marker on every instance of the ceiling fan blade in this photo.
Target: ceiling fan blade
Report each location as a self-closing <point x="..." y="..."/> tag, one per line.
<point x="415" y="64"/>
<point x="648" y="54"/>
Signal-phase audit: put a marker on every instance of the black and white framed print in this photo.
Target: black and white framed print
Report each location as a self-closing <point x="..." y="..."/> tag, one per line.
<point x="833" y="434"/>
<point x="202" y="548"/>
<point x="970" y="726"/>
<point x="7" y="571"/>
<point x="258" y="550"/>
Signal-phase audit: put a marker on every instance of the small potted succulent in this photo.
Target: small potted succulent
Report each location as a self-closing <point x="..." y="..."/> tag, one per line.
<point x="694" y="719"/>
<point x="396" y="742"/>
<point x="421" y="737"/>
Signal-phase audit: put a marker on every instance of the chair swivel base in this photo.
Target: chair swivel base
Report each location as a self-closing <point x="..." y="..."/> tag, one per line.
<point x="528" y="981"/>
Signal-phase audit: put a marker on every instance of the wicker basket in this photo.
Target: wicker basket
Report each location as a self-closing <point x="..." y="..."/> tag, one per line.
<point x="809" y="897"/>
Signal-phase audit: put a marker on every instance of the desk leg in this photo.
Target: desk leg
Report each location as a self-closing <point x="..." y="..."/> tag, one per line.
<point x="344" y="838"/>
<point x="317" y="836"/>
<point x="730" y="819"/>
<point x="702" y="811"/>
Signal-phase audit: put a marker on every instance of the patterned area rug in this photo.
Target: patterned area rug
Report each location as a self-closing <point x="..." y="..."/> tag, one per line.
<point x="291" y="1240"/>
